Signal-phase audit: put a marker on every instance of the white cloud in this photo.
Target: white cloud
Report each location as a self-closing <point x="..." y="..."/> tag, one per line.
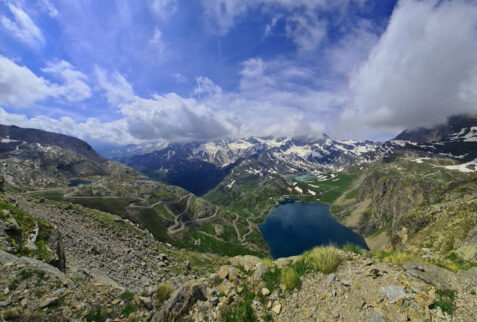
<point x="19" y="86"/>
<point x="74" y="87"/>
<point x="306" y="31"/>
<point x="206" y="86"/>
<point x="23" y="27"/>
<point x="91" y="130"/>
<point x="164" y="9"/>
<point x="49" y="7"/>
<point x="157" y="44"/>
<point x="179" y="78"/>
<point x="420" y="71"/>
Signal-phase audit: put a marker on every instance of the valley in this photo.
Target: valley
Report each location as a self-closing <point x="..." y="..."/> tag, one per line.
<point x="131" y="237"/>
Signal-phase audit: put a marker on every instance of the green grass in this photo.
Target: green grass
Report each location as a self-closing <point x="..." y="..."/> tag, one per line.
<point x="445" y="300"/>
<point x="115" y="206"/>
<point x="128" y="309"/>
<point x="50" y="195"/>
<point x="128" y="296"/>
<point x="322" y="259"/>
<point x="95" y="315"/>
<point x="290" y="278"/>
<point x="243" y="310"/>
<point x="352" y="248"/>
<point x="319" y="259"/>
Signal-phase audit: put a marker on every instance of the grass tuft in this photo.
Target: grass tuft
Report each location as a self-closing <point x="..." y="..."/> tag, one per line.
<point x="290" y="278"/>
<point x="163" y="292"/>
<point x="322" y="259"/>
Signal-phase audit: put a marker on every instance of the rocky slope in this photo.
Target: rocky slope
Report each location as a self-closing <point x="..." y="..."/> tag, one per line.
<point x="48" y="165"/>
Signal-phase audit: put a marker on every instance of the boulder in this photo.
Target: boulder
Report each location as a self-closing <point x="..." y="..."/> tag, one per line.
<point x="181" y="302"/>
<point x="260" y="269"/>
<point x="55" y="244"/>
<point x="468" y="277"/>
<point x="393" y="293"/>
<point x="10" y="237"/>
<point x="229" y="272"/>
<point x="248" y="262"/>
<point x="437" y="276"/>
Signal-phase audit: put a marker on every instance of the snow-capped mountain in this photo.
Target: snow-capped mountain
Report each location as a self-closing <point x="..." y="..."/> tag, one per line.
<point x="199" y="166"/>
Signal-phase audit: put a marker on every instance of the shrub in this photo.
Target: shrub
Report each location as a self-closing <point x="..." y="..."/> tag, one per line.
<point x="290" y="279"/>
<point x="163" y="293"/>
<point x="323" y="259"/>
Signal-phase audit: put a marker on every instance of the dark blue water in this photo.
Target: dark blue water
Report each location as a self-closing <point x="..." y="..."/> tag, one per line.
<point x="294" y="227"/>
<point x="75" y="182"/>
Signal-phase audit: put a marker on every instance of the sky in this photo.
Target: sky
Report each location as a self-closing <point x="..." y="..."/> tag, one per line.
<point x="127" y="72"/>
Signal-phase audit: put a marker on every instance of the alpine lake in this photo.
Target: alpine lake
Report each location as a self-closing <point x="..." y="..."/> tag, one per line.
<point x="294" y="227"/>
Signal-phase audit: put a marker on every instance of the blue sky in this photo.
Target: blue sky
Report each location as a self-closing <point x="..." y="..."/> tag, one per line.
<point x="134" y="71"/>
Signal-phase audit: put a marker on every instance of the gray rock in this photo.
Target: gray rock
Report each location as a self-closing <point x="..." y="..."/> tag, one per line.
<point x="468" y="277"/>
<point x="180" y="302"/>
<point x="437" y="276"/>
<point x="51" y="270"/>
<point x="393" y="293"/>
<point x="4" y="303"/>
<point x="9" y="230"/>
<point x="48" y="302"/>
<point x="330" y="278"/>
<point x="260" y="269"/>
<point x="54" y="242"/>
<point x="58" y="292"/>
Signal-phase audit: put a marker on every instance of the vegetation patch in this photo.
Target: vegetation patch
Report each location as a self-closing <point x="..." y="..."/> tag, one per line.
<point x="445" y="300"/>
<point x="163" y="292"/>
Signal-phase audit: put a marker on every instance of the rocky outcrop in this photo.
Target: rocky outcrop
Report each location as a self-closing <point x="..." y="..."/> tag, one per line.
<point x="55" y="244"/>
<point x="181" y="302"/>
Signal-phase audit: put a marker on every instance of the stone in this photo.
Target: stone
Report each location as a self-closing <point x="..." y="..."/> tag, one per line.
<point x="4" y="303"/>
<point x="147" y="301"/>
<point x="330" y="278"/>
<point x="260" y="269"/>
<point x="372" y="272"/>
<point x="10" y="237"/>
<point x="437" y="276"/>
<point x="58" y="292"/>
<point x="468" y="277"/>
<point x="181" y="302"/>
<point x="48" y="302"/>
<point x="229" y="272"/>
<point x="248" y="262"/>
<point x="277" y="309"/>
<point x="265" y="291"/>
<point x="393" y="293"/>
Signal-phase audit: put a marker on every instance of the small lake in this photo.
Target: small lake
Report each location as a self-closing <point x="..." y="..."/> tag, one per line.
<point x="75" y="182"/>
<point x="294" y="227"/>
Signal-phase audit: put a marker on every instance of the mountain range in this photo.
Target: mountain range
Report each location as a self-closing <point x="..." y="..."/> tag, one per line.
<point x="200" y="166"/>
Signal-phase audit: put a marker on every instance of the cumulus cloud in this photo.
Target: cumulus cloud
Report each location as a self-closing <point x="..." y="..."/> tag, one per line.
<point x="91" y="130"/>
<point x="421" y="71"/>
<point x="74" y="87"/>
<point x="23" y="27"/>
<point x="20" y="87"/>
